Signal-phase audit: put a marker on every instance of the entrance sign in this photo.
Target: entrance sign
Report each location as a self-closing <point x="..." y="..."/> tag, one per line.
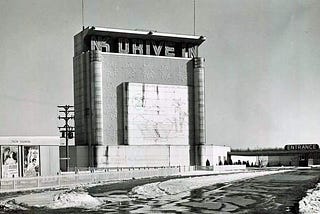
<point x="301" y="147"/>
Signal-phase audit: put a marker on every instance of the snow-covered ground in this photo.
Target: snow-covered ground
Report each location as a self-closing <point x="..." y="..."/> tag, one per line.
<point x="311" y="202"/>
<point x="75" y="199"/>
<point x="176" y="186"/>
<point x="79" y="197"/>
<point x="57" y="199"/>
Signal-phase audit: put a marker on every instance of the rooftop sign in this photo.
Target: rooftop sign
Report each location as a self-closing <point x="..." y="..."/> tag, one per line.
<point x="302" y="147"/>
<point x="140" y="42"/>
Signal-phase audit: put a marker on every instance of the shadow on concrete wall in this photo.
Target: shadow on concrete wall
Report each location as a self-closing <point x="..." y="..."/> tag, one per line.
<point x="190" y="79"/>
<point x="190" y="73"/>
<point x="120" y="124"/>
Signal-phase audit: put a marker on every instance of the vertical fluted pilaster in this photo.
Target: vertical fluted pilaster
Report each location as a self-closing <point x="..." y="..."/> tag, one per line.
<point x="96" y="97"/>
<point x="199" y="110"/>
<point x="96" y="105"/>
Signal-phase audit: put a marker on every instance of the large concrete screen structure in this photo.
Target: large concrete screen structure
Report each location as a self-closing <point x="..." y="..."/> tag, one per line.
<point x="157" y="114"/>
<point x="139" y="99"/>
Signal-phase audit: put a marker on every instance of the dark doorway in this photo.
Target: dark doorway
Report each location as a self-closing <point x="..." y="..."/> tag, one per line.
<point x="303" y="160"/>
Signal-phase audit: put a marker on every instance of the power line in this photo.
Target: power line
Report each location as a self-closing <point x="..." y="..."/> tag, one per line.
<point x="66" y="130"/>
<point x="194" y="17"/>
<point x="82" y="14"/>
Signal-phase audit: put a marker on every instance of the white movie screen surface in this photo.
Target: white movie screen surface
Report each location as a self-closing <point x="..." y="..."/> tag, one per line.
<point x="156" y="114"/>
<point x="31" y="161"/>
<point x="9" y="155"/>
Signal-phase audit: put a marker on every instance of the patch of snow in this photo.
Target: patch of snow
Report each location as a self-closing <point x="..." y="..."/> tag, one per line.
<point x="311" y="202"/>
<point x="177" y="186"/>
<point x="75" y="198"/>
<point x="36" y="199"/>
<point x="11" y="205"/>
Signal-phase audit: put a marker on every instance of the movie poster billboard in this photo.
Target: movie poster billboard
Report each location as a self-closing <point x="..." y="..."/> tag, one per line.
<point x="31" y="161"/>
<point x="9" y="156"/>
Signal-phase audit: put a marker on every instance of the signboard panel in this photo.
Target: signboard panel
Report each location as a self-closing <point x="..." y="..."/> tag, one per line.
<point x="30" y="140"/>
<point x="9" y="156"/>
<point x="31" y="161"/>
<point x="302" y="147"/>
<point x="107" y="44"/>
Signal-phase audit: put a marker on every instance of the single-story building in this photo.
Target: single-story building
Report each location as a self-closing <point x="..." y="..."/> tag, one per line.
<point x="28" y="156"/>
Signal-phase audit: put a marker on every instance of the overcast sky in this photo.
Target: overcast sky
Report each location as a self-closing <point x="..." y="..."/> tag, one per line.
<point x="262" y="62"/>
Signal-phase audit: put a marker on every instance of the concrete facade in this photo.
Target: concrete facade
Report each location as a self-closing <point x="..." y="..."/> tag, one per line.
<point x="157" y="114"/>
<point x="139" y="98"/>
<point x="115" y="70"/>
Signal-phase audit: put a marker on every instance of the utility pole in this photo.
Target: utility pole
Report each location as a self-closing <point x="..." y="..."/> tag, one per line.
<point x="66" y="130"/>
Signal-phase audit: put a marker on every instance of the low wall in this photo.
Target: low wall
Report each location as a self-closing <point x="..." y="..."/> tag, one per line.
<point x="223" y="168"/>
<point x="142" y="155"/>
<point x="86" y="177"/>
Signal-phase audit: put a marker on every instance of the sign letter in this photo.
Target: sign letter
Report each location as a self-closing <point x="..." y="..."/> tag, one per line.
<point x="157" y="49"/>
<point x="147" y="47"/>
<point x="169" y="49"/>
<point x="193" y="51"/>
<point x="100" y="44"/>
<point x="123" y="42"/>
<point x="137" y="46"/>
<point x="184" y="53"/>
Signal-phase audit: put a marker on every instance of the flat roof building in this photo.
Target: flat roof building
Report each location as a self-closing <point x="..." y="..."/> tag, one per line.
<point x="29" y="156"/>
<point x="290" y="155"/>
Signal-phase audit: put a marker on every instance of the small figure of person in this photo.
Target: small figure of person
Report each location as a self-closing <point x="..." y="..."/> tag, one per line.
<point x="207" y="163"/>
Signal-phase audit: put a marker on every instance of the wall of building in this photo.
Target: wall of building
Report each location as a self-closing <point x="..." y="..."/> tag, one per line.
<point x="132" y="156"/>
<point x="81" y="79"/>
<point x="148" y="155"/>
<point x="288" y="160"/>
<point x="157" y="155"/>
<point x="73" y="157"/>
<point x="280" y="160"/>
<point x="292" y="160"/>
<point x="215" y="153"/>
<point x="251" y="159"/>
<point x="49" y="156"/>
<point x="82" y="156"/>
<point x="119" y="68"/>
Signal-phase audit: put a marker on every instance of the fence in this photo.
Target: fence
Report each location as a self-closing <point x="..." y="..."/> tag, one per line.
<point x="88" y="175"/>
<point x="221" y="168"/>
